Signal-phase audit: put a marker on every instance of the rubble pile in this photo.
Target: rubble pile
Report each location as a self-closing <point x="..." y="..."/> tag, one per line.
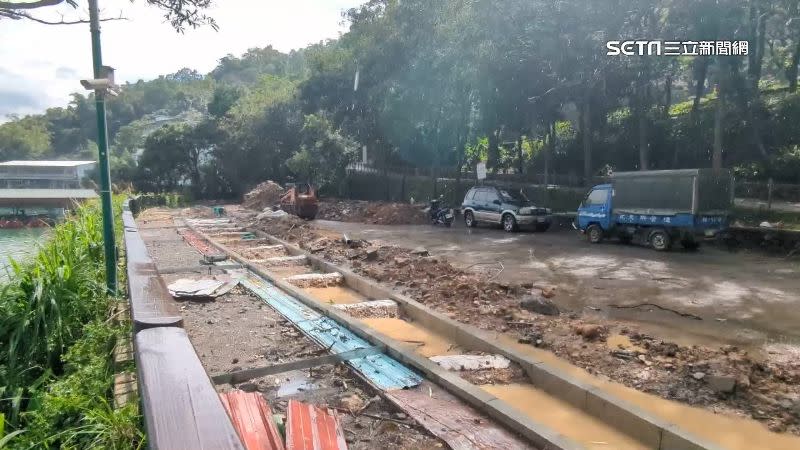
<point x="265" y="195"/>
<point x="726" y="379"/>
<point x="377" y="213"/>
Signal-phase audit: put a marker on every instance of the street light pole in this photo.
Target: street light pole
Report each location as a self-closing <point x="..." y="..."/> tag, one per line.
<point x="102" y="147"/>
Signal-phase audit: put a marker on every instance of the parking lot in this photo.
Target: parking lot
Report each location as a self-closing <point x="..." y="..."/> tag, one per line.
<point x="742" y="297"/>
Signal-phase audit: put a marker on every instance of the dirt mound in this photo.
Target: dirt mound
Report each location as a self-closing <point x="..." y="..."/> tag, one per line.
<point x="378" y="213"/>
<point x="265" y="195"/>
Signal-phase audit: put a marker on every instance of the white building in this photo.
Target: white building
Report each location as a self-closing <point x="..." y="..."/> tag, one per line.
<point x="43" y="174"/>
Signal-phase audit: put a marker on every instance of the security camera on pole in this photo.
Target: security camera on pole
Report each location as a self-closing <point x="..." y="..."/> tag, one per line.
<point x="103" y="85"/>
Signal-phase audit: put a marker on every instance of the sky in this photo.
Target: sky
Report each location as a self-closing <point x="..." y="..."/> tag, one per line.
<point x="40" y="65"/>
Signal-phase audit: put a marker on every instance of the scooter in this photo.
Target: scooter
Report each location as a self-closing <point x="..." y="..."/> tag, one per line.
<point x="440" y="215"/>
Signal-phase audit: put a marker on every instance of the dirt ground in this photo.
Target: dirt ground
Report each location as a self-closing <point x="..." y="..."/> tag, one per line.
<point x="381" y="213"/>
<point x="238" y="331"/>
<point x="762" y="382"/>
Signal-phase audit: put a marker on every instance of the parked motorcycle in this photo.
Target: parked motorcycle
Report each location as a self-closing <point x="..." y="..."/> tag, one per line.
<point x="440" y="214"/>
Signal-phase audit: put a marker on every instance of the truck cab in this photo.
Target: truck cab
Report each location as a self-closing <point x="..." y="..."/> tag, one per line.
<point x="596" y="209"/>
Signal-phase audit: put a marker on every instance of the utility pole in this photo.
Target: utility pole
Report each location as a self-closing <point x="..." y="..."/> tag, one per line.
<point x="102" y="147"/>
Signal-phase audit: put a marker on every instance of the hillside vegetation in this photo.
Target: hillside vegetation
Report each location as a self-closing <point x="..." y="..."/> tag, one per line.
<point x="524" y="85"/>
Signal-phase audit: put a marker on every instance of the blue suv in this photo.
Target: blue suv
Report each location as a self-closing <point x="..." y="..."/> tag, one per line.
<point x="511" y="210"/>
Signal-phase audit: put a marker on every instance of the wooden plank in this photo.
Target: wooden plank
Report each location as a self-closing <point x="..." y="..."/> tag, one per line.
<point x="311" y="428"/>
<point x="240" y="376"/>
<point x="151" y="304"/>
<point x="449" y="419"/>
<point x="252" y="418"/>
<point x="180" y="406"/>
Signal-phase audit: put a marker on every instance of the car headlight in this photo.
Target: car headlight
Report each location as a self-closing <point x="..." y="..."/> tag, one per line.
<point x="526" y="211"/>
<point x="548" y="210"/>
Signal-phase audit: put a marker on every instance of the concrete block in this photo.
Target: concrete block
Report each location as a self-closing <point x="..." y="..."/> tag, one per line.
<point x="375" y="308"/>
<point x="624" y="416"/>
<point x="315" y="279"/>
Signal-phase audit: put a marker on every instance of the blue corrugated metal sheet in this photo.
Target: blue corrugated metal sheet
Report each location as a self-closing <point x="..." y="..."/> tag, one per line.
<point x="383" y="371"/>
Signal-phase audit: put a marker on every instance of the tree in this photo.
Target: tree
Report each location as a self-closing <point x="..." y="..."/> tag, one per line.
<point x="26" y="138"/>
<point x="325" y="153"/>
<point x="179" y="13"/>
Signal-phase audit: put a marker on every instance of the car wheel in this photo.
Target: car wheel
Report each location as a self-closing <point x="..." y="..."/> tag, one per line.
<point x="469" y="219"/>
<point x="660" y="240"/>
<point x="509" y="223"/>
<point x="594" y="234"/>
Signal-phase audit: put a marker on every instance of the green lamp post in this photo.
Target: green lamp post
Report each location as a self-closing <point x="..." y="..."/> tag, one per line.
<point x="103" y="85"/>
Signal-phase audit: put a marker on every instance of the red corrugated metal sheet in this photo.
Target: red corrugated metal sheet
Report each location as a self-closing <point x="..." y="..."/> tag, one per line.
<point x="252" y="418"/>
<point x="312" y="428"/>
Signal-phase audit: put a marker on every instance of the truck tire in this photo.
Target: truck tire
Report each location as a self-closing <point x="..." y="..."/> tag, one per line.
<point x="469" y="219"/>
<point x="509" y="223"/>
<point x="594" y="234"/>
<point x="660" y="240"/>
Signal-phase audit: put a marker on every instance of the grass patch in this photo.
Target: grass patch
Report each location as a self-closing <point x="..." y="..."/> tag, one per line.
<point x="56" y="364"/>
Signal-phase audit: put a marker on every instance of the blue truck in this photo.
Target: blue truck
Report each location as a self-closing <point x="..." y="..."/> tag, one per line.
<point x="658" y="207"/>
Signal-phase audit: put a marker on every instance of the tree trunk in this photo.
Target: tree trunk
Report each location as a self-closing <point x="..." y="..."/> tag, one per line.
<point x="520" y="159"/>
<point x="642" y="100"/>
<point x="667" y="95"/>
<point x="586" y="131"/>
<point x="700" y="77"/>
<point x="493" y="153"/>
<point x="549" y="149"/>
<point x="791" y="71"/>
<point x="716" y="155"/>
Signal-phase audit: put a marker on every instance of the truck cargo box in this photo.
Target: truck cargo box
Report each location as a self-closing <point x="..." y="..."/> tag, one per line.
<point x="670" y="192"/>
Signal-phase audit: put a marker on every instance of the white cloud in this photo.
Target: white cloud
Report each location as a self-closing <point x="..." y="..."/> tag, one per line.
<point x="38" y="58"/>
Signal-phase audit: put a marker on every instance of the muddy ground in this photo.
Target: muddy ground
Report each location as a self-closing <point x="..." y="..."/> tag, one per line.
<point x="743" y="380"/>
<point x="238" y="331"/>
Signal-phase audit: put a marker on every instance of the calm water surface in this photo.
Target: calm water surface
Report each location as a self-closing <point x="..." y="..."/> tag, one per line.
<point x="18" y="244"/>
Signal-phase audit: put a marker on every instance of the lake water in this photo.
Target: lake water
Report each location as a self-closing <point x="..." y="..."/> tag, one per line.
<point x="18" y="244"/>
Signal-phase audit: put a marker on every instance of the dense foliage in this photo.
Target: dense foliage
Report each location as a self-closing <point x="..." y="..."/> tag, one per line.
<point x="56" y="365"/>
<point x="524" y="85"/>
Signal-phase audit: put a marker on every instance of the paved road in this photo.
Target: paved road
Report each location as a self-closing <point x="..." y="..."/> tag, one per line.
<point x="741" y="297"/>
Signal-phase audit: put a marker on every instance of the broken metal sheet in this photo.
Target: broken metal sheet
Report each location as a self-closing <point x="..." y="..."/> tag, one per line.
<point x="252" y="418"/>
<point x="381" y="370"/>
<point x="203" y="288"/>
<point x="312" y="428"/>
<point x="471" y="362"/>
<point x="449" y="419"/>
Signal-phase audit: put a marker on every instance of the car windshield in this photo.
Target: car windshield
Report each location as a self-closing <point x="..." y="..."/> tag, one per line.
<point x="510" y="196"/>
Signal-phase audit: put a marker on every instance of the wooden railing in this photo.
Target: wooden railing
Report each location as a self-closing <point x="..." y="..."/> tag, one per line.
<point x="181" y="408"/>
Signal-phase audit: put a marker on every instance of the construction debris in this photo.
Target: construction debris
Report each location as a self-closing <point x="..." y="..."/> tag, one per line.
<point x="203" y="288"/>
<point x="471" y="362"/>
<point x="378" y="213"/>
<point x="265" y="195"/>
<point x="374" y="308"/>
<point x="316" y="279"/>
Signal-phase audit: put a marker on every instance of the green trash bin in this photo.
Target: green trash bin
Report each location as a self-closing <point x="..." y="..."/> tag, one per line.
<point x="219" y="211"/>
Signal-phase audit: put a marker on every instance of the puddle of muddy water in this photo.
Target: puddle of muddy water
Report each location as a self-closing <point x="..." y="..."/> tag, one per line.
<point x="562" y="417"/>
<point x="622" y="342"/>
<point x="335" y="295"/>
<point x="423" y="341"/>
<point x="730" y="432"/>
